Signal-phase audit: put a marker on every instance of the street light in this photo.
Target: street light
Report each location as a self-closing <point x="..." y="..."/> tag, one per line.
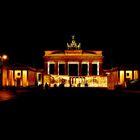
<point x="3" y="58"/>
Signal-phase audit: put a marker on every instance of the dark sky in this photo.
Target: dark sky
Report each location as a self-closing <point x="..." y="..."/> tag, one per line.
<point x="28" y="29"/>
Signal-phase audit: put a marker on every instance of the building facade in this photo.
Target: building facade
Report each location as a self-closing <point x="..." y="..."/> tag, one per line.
<point x="74" y="67"/>
<point x="122" y="74"/>
<point x="19" y="75"/>
<point x="127" y="73"/>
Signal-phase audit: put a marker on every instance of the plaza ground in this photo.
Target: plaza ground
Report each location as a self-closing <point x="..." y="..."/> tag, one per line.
<point x="57" y="101"/>
<point x="16" y="94"/>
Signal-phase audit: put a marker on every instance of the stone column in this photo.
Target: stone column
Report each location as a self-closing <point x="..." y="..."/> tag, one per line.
<point x="66" y="68"/>
<point x="100" y="68"/>
<point x="45" y="68"/>
<point x="48" y="67"/>
<point x="28" y="77"/>
<point x="21" y="78"/>
<point x="90" y="68"/>
<point x="14" y="76"/>
<point x="7" y="77"/>
<point x="80" y="69"/>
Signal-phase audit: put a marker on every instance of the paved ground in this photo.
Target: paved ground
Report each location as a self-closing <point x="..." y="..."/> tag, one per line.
<point x="26" y="94"/>
<point x="64" y="100"/>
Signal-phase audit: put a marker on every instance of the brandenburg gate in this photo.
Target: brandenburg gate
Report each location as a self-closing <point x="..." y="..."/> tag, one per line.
<point x="74" y="67"/>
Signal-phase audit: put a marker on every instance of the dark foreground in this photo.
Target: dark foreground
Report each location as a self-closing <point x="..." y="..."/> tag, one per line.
<point x="65" y="92"/>
<point x="40" y="94"/>
<point x="65" y="99"/>
<point x="59" y="109"/>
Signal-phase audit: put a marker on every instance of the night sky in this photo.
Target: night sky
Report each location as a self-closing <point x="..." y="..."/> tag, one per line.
<point x="28" y="29"/>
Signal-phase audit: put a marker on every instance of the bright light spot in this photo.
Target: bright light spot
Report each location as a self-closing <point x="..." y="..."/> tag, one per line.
<point x="39" y="83"/>
<point x="4" y="57"/>
<point x="108" y="73"/>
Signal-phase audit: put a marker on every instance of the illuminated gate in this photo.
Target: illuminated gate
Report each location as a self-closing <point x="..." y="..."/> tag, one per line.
<point x="74" y="66"/>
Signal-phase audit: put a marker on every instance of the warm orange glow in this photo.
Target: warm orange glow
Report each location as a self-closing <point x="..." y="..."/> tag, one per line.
<point x="121" y="76"/>
<point x="4" y="57"/>
<point x="11" y="79"/>
<point x="136" y="76"/>
<point x="4" y="77"/>
<point x="17" y="78"/>
<point x="92" y="81"/>
<point x="17" y="74"/>
<point x="31" y="78"/>
<point x="24" y="78"/>
<point x="74" y="55"/>
<point x="129" y="74"/>
<point x="39" y="78"/>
